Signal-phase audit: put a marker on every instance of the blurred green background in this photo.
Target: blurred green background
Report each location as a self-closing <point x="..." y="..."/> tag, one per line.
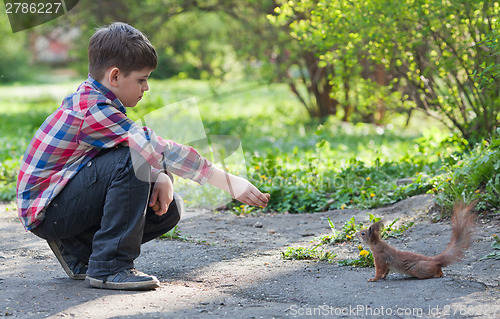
<point x="337" y="104"/>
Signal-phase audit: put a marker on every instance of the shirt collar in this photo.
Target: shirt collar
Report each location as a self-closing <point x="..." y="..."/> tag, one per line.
<point x="107" y="93"/>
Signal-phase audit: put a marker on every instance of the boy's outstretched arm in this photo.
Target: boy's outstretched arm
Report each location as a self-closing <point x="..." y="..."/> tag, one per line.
<point x="238" y="187"/>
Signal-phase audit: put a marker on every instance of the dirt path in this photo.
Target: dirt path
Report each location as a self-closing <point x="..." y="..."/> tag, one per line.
<point x="229" y="268"/>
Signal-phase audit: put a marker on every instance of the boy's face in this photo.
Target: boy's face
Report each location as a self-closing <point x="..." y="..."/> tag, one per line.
<point x="131" y="88"/>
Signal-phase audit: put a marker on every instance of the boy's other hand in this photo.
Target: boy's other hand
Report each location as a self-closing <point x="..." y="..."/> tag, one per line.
<point x="163" y="193"/>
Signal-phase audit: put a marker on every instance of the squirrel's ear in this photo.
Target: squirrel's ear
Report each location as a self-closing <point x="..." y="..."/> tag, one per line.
<point x="375" y="227"/>
<point x="380" y="225"/>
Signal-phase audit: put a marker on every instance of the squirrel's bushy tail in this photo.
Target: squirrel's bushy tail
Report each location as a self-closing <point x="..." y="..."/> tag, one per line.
<point x="462" y="223"/>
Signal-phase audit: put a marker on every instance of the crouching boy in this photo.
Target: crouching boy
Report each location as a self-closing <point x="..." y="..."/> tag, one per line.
<point x="90" y="176"/>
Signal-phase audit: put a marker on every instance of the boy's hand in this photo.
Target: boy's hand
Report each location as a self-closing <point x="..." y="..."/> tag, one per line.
<point x="239" y="188"/>
<point x="247" y="193"/>
<point x="163" y="194"/>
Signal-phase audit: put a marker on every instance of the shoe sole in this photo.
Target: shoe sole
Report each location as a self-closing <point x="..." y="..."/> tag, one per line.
<point x="139" y="285"/>
<point x="57" y="252"/>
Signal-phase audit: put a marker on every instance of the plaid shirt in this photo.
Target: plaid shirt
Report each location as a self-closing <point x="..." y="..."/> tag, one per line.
<point x="87" y="121"/>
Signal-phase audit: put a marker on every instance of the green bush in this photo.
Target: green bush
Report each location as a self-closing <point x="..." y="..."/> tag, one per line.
<point x="475" y="176"/>
<point x="307" y="181"/>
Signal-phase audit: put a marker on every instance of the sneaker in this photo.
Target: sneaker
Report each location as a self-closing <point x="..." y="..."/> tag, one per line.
<point x="76" y="269"/>
<point x="128" y="279"/>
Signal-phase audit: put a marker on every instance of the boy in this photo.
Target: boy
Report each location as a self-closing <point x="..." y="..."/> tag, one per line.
<point x="89" y="172"/>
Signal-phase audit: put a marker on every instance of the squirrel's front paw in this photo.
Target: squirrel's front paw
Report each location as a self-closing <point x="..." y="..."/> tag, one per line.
<point x="372" y="279"/>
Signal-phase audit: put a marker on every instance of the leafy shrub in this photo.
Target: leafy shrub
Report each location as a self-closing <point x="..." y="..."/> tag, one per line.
<point x="475" y="176"/>
<point x="496" y="249"/>
<point x="319" y="180"/>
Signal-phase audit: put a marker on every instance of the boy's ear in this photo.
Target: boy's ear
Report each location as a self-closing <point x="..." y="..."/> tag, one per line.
<point x="113" y="76"/>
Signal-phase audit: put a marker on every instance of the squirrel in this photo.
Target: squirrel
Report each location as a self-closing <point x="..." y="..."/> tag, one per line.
<point x="388" y="258"/>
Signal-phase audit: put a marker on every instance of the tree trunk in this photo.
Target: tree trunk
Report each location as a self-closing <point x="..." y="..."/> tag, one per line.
<point x="380" y="79"/>
<point x="319" y="86"/>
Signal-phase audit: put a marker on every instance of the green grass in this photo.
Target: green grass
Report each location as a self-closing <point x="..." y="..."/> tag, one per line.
<point x="306" y="167"/>
<point x="347" y="234"/>
<point x="364" y="259"/>
<point x="174" y="234"/>
<point x="303" y="253"/>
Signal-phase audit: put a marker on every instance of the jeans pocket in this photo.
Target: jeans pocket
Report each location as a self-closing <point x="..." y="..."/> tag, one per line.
<point x="86" y="177"/>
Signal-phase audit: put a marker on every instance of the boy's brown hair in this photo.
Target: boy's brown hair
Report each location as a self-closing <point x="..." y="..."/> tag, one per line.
<point x="120" y="45"/>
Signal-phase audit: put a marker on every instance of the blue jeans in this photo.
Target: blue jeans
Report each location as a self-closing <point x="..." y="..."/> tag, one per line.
<point x="102" y="217"/>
